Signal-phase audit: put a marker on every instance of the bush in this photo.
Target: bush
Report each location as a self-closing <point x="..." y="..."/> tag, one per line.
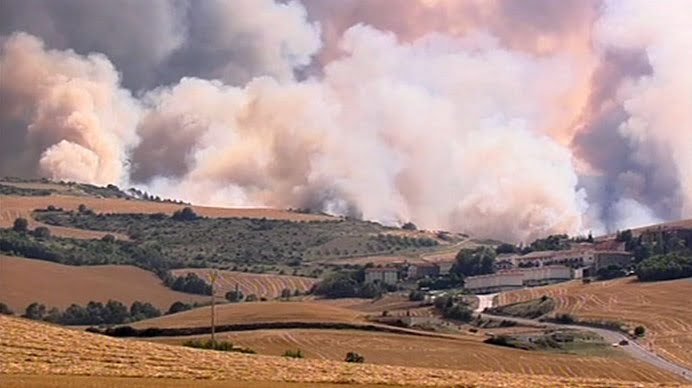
<point x="223" y="346"/>
<point x="610" y="272"/>
<point x="178" y="306"/>
<point x="35" y="311"/>
<point x="42" y="232"/>
<point x="409" y="226"/>
<point x="235" y="296"/>
<point x="639" y="331"/>
<point x="354" y="357"/>
<point x="565" y="319"/>
<point x="5" y="309"/>
<point x="285" y="294"/>
<point x="416" y="296"/>
<point x="251" y="298"/>
<point x="21" y="225"/>
<point x="140" y="310"/>
<point x="664" y="267"/>
<point x="458" y="312"/>
<point x="293" y="353"/>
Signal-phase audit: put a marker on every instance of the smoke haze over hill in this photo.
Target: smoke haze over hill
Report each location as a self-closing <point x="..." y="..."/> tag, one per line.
<point x="506" y="119"/>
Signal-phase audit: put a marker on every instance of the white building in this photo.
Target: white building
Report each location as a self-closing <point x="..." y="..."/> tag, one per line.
<point x="546" y="275"/>
<point x="386" y="275"/>
<point x="500" y="281"/>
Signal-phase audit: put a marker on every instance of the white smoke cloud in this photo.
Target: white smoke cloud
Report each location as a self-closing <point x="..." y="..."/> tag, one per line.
<point x="465" y="128"/>
<point x="60" y="107"/>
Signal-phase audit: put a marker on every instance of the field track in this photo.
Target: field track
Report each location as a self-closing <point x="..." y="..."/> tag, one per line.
<point x="24" y="281"/>
<point x="663" y="308"/>
<point x="31" y="348"/>
<point x="262" y="285"/>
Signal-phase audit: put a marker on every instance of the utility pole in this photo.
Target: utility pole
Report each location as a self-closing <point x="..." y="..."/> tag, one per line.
<point x="212" y="279"/>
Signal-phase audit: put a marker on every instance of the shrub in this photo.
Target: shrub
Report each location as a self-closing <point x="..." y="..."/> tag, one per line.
<point x="21" y="225"/>
<point x="185" y="214"/>
<point x="223" y="346"/>
<point x="409" y="226"/>
<point x="416" y="296"/>
<point x="293" y="353"/>
<point x="565" y="319"/>
<point x="285" y="293"/>
<point x="639" y="331"/>
<point x="251" y="298"/>
<point x="35" y="311"/>
<point x="354" y="357"/>
<point x="663" y="267"/>
<point x="42" y="232"/>
<point x="458" y="312"/>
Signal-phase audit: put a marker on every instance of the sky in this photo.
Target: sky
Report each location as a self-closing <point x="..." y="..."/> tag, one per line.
<point x="505" y="119"/>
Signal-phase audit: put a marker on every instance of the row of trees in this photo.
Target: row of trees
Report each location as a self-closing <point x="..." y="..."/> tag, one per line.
<point x="663" y="267"/>
<point x="350" y="285"/>
<point x="94" y="313"/>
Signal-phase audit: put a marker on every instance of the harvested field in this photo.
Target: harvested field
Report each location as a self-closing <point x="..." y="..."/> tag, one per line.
<point x="663" y="308"/>
<point x="24" y="281"/>
<point x="254" y="312"/>
<point x="31" y="348"/>
<point x="262" y="285"/>
<point x="429" y="352"/>
<point x="12" y="207"/>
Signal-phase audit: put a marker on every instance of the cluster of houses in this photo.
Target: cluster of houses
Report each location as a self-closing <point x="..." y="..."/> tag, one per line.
<point x="517" y="271"/>
<point x="547" y="267"/>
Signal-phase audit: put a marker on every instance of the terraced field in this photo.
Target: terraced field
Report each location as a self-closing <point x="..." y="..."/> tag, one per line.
<point x="262" y="285"/>
<point x="663" y="308"/>
<point x="31" y="348"/>
<point x="449" y="353"/>
<point x="24" y="281"/>
<point x="255" y="312"/>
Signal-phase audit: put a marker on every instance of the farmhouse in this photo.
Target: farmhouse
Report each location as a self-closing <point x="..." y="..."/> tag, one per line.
<point x="546" y="275"/>
<point x="421" y="270"/>
<point x="386" y="275"/>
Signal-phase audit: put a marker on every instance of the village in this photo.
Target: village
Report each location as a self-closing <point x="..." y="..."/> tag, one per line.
<point x="514" y="271"/>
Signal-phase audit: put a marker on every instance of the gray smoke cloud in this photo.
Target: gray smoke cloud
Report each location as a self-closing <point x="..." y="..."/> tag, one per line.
<point x="510" y="120"/>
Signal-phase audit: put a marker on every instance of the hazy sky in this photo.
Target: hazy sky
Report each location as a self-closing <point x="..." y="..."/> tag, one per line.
<point x="506" y="119"/>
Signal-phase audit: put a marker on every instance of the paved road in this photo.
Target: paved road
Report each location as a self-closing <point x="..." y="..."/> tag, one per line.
<point x="634" y="349"/>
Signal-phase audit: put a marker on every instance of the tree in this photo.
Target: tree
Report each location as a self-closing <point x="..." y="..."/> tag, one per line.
<point x="251" y="298"/>
<point x="285" y="294"/>
<point x="35" y="311"/>
<point x="21" y="225"/>
<point x="505" y="248"/>
<point x="177" y="307"/>
<point x="409" y="226"/>
<point x="185" y="214"/>
<point x="42" y="232"/>
<point x="109" y="238"/>
<point x="140" y="310"/>
<point x="5" y="309"/>
<point x="639" y="331"/>
<point x="474" y="262"/>
<point x="354" y="357"/>
<point x="235" y="296"/>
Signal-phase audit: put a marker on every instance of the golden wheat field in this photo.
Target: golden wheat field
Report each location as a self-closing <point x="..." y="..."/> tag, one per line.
<point x="31" y="348"/>
<point x="24" y="281"/>
<point x="255" y="312"/>
<point x="663" y="308"/>
<point x="261" y="285"/>
<point x="12" y="207"/>
<point x="462" y="353"/>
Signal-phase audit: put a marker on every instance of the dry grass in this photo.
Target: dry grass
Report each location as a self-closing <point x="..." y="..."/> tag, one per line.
<point x="12" y="207"/>
<point x="262" y="285"/>
<point x="428" y="352"/>
<point x="255" y="312"/>
<point x="663" y="308"/>
<point x="30" y="348"/>
<point x="23" y="281"/>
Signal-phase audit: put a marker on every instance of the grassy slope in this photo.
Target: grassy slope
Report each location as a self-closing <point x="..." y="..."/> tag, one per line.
<point x="23" y="281"/>
<point x="662" y="307"/>
<point x="31" y="348"/>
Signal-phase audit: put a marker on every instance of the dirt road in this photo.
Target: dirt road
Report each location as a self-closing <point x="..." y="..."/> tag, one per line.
<point x="633" y="348"/>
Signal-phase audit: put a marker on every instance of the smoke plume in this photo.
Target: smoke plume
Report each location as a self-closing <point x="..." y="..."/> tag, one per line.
<point x="504" y="119"/>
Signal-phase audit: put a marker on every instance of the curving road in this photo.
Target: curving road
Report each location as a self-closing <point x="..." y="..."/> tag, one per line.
<point x="634" y="349"/>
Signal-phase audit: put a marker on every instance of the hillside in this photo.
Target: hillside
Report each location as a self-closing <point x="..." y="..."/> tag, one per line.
<point x="255" y="312"/>
<point x="462" y="353"/>
<point x="24" y="281"/>
<point x="31" y="348"/>
<point x="663" y="308"/>
<point x="261" y="285"/>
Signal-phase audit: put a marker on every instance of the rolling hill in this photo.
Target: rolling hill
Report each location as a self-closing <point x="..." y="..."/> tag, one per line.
<point x="24" y="281"/>
<point x="663" y="308"/>
<point x="37" y="349"/>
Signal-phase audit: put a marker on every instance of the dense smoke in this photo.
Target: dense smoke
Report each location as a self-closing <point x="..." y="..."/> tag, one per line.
<point x="505" y="119"/>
